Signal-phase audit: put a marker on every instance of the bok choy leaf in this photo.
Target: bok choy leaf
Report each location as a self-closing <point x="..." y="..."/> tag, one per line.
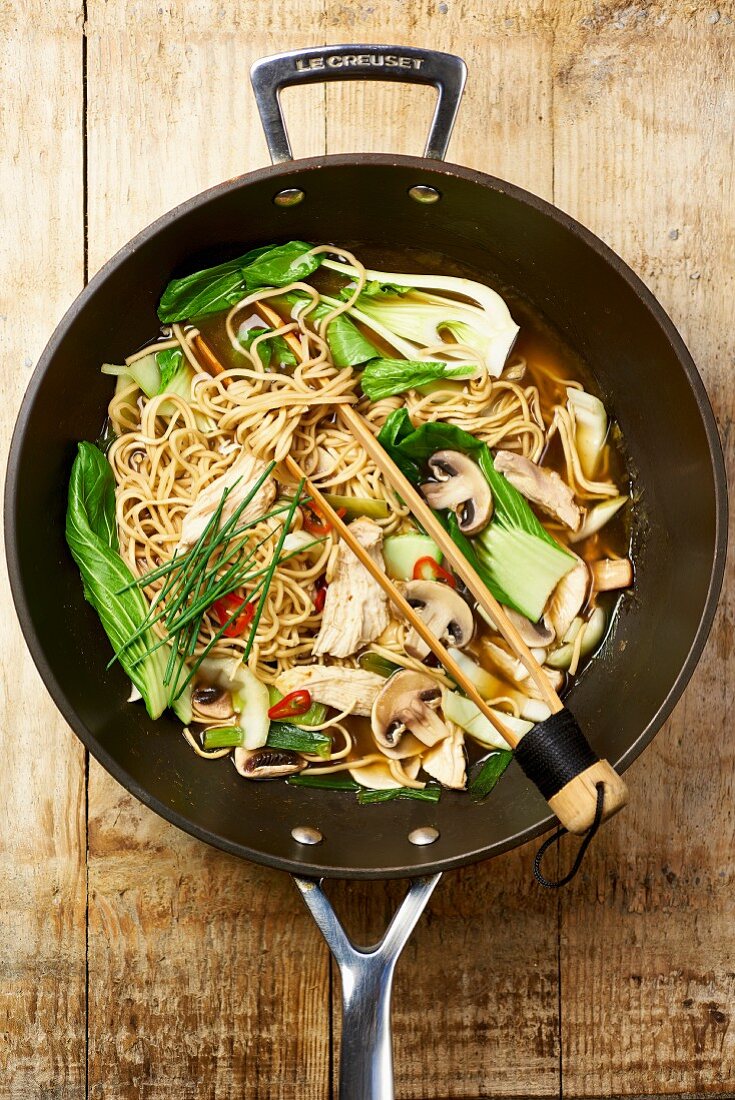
<point x="516" y="557"/>
<point x="109" y="585"/>
<point x="412" y="311"/>
<point x="267" y="349"/>
<point x="347" y="345"/>
<point x="219" y="287"/>
<point x="386" y="377"/>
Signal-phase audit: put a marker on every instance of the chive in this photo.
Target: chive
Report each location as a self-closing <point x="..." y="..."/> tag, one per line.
<point x="271" y="571"/>
<point x="337" y="782"/>
<point x="224" y="737"/>
<point x="487" y="772"/>
<point x="370" y="798"/>
<point x="373" y="662"/>
<point x="284" y="735"/>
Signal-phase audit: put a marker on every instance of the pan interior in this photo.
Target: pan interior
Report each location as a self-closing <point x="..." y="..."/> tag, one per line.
<point x="481" y="227"/>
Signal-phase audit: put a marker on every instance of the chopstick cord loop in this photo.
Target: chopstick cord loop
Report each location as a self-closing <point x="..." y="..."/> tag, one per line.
<point x="554" y="884"/>
<point x="554" y="752"/>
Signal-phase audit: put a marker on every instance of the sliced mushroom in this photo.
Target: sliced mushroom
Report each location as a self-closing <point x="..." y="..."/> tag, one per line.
<point x="212" y="703"/>
<point x="459" y="485"/>
<point x="268" y="763"/>
<point x="611" y="573"/>
<point x="407" y="705"/>
<point x="536" y="635"/>
<point x="446" y="614"/>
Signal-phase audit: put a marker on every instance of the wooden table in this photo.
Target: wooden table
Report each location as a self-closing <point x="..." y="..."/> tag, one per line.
<point x="138" y="963"/>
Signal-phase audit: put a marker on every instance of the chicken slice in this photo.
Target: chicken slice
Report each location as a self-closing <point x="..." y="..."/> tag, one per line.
<point x="541" y="486"/>
<point x="355" y="608"/>
<point x="447" y="762"/>
<point x="334" y="686"/>
<point x="568" y="599"/>
<point x="239" y="479"/>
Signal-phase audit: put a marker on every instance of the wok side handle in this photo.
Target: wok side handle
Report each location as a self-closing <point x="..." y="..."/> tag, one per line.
<point x="366" y="1061"/>
<point x="406" y="64"/>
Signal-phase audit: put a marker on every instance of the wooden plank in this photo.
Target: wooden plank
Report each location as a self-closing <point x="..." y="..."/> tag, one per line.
<point x="476" y="994"/>
<point x="643" y="105"/>
<point x="207" y="978"/>
<point x="42" y="813"/>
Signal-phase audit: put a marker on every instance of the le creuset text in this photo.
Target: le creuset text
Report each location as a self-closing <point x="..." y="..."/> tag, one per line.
<point x="355" y="60"/>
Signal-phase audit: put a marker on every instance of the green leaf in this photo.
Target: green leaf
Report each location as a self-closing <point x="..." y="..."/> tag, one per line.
<point x="268" y="348"/>
<point x="416" y="446"/>
<point x="386" y="377"/>
<point x="92" y="538"/>
<point x="347" y="345"/>
<point x="370" y="798"/>
<point x="375" y="289"/>
<point x="219" y="287"/>
<point x="280" y="265"/>
<point x="169" y="363"/>
<point x="286" y="735"/>
<point x="206" y="291"/>
<point x="516" y="557"/>
<point x="487" y="772"/>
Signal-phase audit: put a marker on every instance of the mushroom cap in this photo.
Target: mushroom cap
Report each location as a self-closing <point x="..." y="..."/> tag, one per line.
<point x="268" y="763"/>
<point x="408" y="702"/>
<point x="461" y="486"/>
<point x="212" y="703"/>
<point x="445" y="613"/>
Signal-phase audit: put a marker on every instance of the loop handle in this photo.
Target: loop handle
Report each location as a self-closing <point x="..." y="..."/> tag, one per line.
<point x="366" y="1060"/>
<point x="406" y="64"/>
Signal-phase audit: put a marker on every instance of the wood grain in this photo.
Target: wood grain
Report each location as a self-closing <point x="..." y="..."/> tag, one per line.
<point x="644" y="153"/>
<point x="206" y="978"/>
<point x="42" y="811"/>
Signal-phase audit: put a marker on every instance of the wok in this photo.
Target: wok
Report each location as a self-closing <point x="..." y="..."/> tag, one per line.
<point x="648" y="382"/>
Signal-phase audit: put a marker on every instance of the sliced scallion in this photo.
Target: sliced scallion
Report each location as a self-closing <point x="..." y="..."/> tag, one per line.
<point x="223" y="737"/>
<point x="370" y="798"/>
<point x="285" y="735"/>
<point x="487" y="772"/>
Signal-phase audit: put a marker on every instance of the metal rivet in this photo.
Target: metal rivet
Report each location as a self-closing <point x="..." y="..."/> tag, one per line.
<point x="306" y="834"/>
<point x="421" y="192"/>
<point x="426" y="834"/>
<point x="291" y="196"/>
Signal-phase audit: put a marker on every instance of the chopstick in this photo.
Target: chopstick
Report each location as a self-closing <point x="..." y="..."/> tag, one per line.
<point x="454" y="556"/>
<point x="401" y="603"/>
<point x="431" y="525"/>
<point x="593" y="793"/>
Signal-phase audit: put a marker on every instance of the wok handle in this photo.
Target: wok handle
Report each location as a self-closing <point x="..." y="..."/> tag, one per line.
<point x="406" y="64"/>
<point x="366" y="1060"/>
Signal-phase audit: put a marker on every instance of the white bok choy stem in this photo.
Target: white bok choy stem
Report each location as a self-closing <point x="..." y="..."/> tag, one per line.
<point x="484" y="323"/>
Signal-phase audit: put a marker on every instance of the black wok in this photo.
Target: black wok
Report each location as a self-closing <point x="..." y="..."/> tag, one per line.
<point x="596" y="303"/>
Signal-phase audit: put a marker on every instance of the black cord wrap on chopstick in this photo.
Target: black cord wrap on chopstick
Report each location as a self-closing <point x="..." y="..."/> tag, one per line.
<point x="554" y="752"/>
<point x="551" y="754"/>
<point x="554" y="884"/>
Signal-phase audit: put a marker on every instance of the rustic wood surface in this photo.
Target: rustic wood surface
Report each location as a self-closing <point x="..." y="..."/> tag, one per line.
<point x="134" y="961"/>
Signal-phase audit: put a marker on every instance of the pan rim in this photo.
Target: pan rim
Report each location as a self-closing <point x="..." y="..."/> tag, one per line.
<point x="279" y="173"/>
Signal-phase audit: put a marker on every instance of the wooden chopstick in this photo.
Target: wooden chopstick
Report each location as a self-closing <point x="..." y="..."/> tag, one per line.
<point x="454" y="556"/>
<point x="275" y="320"/>
<point x="431" y="525"/>
<point x="208" y="361"/>
<point x="401" y="603"/>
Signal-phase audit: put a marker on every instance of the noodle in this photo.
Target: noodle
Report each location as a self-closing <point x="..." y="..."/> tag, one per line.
<point x="169" y="450"/>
